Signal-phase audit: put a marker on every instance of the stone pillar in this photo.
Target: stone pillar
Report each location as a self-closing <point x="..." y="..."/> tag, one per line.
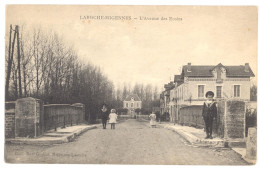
<point x="231" y="122"/>
<point x="251" y="144"/>
<point x="235" y="119"/>
<point x="28" y="114"/>
<point x="81" y="112"/>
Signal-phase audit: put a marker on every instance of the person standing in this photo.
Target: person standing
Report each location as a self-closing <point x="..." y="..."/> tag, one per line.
<point x="104" y="115"/>
<point x="209" y="112"/>
<point x="153" y="120"/>
<point x="112" y="118"/>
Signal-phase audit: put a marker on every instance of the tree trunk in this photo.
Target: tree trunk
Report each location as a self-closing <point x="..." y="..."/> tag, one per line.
<point x="24" y="70"/>
<point x="15" y="83"/>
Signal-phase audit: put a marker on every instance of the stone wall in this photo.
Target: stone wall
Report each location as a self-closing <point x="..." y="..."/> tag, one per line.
<point x="10" y="120"/>
<point x="251" y="144"/>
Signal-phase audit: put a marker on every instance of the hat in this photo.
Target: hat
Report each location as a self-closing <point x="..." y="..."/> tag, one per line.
<point x="209" y="93"/>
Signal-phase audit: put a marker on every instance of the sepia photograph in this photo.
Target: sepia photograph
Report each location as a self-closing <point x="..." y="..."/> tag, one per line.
<point x="130" y="84"/>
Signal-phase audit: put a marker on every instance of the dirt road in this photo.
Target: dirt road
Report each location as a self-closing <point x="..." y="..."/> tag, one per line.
<point x="132" y="142"/>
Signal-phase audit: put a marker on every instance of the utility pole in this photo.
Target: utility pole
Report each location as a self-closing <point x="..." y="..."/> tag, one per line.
<point x="19" y="60"/>
<point x="10" y="61"/>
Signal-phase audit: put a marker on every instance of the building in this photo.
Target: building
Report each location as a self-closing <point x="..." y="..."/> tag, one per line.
<point x="165" y="99"/>
<point x="227" y="82"/>
<point x="132" y="102"/>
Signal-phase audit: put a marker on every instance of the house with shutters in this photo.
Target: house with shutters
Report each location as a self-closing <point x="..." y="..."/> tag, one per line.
<point x="132" y="102"/>
<point x="227" y="82"/>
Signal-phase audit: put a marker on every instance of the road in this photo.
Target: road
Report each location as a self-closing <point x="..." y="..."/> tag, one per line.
<point x="132" y="142"/>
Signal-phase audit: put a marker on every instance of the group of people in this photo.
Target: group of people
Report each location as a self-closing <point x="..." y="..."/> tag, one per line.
<point x="209" y="112"/>
<point x="112" y="116"/>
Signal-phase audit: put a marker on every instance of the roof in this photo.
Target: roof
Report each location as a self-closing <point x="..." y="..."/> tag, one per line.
<point x="135" y="96"/>
<point x="177" y="78"/>
<point x="169" y="86"/>
<point x="205" y="71"/>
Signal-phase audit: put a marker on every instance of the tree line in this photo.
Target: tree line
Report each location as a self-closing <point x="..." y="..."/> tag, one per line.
<point x="40" y="64"/>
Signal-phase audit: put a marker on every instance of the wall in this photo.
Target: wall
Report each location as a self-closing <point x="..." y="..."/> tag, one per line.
<point x="27" y="117"/>
<point x="143" y="117"/>
<point x="10" y="120"/>
<point x="251" y="144"/>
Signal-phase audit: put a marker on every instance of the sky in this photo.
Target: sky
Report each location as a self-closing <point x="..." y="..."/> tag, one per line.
<point x="149" y="51"/>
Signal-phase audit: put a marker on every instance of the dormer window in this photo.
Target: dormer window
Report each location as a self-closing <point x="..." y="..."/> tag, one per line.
<point x="219" y="73"/>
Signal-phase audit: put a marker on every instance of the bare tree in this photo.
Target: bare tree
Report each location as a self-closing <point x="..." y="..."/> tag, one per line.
<point x="10" y="62"/>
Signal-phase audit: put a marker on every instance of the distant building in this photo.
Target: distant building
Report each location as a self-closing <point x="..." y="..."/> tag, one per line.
<point x="132" y="102"/>
<point x="165" y="98"/>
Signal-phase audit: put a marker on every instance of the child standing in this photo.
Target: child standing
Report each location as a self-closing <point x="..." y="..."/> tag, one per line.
<point x="104" y="116"/>
<point x="153" y="120"/>
<point x="209" y="112"/>
<point x="113" y="118"/>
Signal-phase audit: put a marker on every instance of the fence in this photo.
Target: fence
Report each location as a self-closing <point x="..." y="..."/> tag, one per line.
<point x="191" y="116"/>
<point x="124" y="117"/>
<point x="61" y="115"/>
<point x="131" y="117"/>
<point x="142" y="117"/>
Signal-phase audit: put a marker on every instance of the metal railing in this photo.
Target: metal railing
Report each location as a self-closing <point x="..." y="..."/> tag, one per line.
<point x="61" y="116"/>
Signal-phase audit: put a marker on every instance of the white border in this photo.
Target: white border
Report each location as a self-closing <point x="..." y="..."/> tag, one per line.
<point x="102" y="2"/>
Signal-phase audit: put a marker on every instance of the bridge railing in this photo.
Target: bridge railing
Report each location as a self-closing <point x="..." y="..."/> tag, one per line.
<point x="62" y="115"/>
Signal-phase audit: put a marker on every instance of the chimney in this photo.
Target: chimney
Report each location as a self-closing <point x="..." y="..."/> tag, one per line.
<point x="246" y="67"/>
<point x="189" y="67"/>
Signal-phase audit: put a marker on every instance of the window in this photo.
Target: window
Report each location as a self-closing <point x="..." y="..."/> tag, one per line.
<point x="132" y="104"/>
<point x="219" y="88"/>
<point x="126" y="104"/>
<point x="236" y="90"/>
<point x="218" y="73"/>
<point x="200" y="90"/>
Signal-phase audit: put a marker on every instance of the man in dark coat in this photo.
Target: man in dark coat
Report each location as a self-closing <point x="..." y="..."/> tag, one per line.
<point x="209" y="112"/>
<point x="104" y="115"/>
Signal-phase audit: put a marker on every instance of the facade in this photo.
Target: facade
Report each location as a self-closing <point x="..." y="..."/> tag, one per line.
<point x="190" y="87"/>
<point x="165" y="100"/>
<point x="132" y="102"/>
